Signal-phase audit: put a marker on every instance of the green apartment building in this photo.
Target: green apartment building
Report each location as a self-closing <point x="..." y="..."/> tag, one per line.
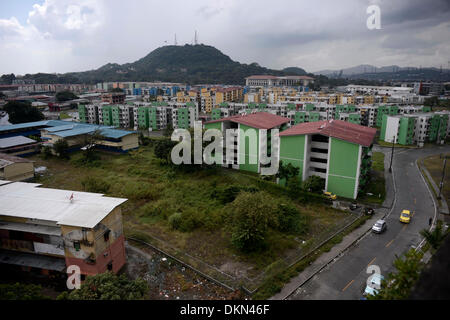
<point x="247" y="144"/>
<point x="417" y="128"/>
<point x="338" y="151"/>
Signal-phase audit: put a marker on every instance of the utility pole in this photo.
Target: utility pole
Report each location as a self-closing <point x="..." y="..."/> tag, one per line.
<point x="392" y="154"/>
<point x="443" y="177"/>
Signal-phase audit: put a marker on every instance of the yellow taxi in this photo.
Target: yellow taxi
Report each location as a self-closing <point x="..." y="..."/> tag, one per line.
<point x="329" y="195"/>
<point x="405" y="216"/>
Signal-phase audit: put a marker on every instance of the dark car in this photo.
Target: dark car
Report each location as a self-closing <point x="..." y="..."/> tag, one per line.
<point x="369" y="211"/>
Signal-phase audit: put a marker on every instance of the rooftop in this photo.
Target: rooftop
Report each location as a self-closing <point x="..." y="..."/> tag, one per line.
<point x="28" y="200"/>
<point x="259" y="120"/>
<point x="338" y="129"/>
<point x="6" y="160"/>
<point x="15" y="141"/>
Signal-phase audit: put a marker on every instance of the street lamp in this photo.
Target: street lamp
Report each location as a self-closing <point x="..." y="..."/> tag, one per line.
<point x="443" y="176"/>
<point x="392" y="154"/>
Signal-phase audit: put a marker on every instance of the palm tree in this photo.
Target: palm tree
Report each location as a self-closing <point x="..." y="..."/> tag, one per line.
<point x="434" y="237"/>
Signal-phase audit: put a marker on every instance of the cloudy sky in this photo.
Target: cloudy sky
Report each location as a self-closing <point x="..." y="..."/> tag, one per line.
<point x="78" y="35"/>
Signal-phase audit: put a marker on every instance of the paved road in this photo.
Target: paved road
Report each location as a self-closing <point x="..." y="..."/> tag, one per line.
<point x="346" y="278"/>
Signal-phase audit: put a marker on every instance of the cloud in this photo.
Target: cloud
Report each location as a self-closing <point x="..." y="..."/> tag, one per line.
<point x="77" y="35"/>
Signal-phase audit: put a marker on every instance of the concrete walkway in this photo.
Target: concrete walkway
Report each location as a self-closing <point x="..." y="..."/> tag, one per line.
<point x="349" y="240"/>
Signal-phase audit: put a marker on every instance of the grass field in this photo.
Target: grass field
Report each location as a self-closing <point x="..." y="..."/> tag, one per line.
<point x="156" y="192"/>
<point x="435" y="165"/>
<point x="376" y="185"/>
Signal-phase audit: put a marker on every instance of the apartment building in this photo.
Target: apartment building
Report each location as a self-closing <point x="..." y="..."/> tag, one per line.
<point x="416" y="128"/>
<point x="274" y="81"/>
<point x="114" y="98"/>
<point x="54" y="229"/>
<point x="335" y="150"/>
<point x="243" y="153"/>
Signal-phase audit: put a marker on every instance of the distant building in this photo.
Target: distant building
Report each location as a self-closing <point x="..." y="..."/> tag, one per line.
<point x="54" y="229"/>
<point x="18" y="146"/>
<point x="269" y="80"/>
<point x="51" y="131"/>
<point x="15" y="168"/>
<point x="114" y="98"/>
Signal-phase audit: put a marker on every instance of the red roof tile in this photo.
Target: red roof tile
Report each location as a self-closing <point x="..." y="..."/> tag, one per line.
<point x="335" y="128"/>
<point x="259" y="120"/>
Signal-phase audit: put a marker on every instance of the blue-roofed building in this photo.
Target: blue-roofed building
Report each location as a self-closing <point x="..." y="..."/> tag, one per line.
<point x="51" y="131"/>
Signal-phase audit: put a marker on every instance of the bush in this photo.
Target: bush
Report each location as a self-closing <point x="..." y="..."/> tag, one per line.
<point x="91" y="184"/>
<point x="314" y="184"/>
<point x="46" y="152"/>
<point x="19" y="291"/>
<point x="228" y="194"/>
<point x="290" y="220"/>
<point x="108" y="286"/>
<point x="61" y="148"/>
<point x="141" y="191"/>
<point x="175" y="220"/>
<point x="251" y="215"/>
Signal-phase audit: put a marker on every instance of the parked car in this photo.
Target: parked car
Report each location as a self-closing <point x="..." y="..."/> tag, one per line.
<point x="369" y="211"/>
<point x="353" y="206"/>
<point x="330" y="196"/>
<point x="379" y="226"/>
<point x="371" y="289"/>
<point x="405" y="216"/>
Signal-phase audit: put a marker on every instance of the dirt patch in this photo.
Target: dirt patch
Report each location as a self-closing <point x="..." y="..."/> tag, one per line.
<point x="169" y="280"/>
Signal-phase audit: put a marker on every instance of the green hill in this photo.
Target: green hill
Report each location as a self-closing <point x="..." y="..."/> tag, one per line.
<point x="191" y="64"/>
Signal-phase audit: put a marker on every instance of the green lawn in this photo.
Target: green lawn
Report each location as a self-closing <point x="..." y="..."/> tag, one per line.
<point x="376" y="185"/>
<point x="435" y="165"/>
<point x="388" y="144"/>
<point x="156" y="192"/>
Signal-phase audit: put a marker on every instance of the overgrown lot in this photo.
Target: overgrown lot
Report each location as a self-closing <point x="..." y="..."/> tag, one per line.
<point x="197" y="213"/>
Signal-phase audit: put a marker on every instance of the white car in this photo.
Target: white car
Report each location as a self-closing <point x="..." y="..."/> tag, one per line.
<point x="374" y="285"/>
<point x="379" y="226"/>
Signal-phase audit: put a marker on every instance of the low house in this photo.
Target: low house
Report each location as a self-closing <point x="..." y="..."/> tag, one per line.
<point x="15" y="168"/>
<point x="19" y="146"/>
<point x="47" y="230"/>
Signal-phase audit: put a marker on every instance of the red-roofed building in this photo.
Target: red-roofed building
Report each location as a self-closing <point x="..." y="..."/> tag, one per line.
<point x="338" y="151"/>
<point x="246" y="144"/>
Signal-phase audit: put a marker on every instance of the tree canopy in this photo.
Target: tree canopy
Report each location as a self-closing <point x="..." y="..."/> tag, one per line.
<point x="20" y="112"/>
<point x="108" y="286"/>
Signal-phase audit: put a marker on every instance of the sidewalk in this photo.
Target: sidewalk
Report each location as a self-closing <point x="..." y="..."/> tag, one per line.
<point x="348" y="241"/>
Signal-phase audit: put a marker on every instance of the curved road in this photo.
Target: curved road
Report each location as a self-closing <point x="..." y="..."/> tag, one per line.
<point x="346" y="277"/>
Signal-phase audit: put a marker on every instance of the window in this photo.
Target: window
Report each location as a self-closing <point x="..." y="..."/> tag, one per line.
<point x="77" y="245"/>
<point x="110" y="266"/>
<point x="106" y="235"/>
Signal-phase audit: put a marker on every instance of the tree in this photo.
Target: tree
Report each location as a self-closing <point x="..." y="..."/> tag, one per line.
<point x="286" y="172"/>
<point x="251" y="215"/>
<point x="398" y="285"/>
<point x="163" y="149"/>
<point x="88" y="142"/>
<point x="65" y="96"/>
<point x="314" y="184"/>
<point x="117" y="90"/>
<point x="436" y="237"/>
<point x="108" y="286"/>
<point x="61" y="148"/>
<point x="20" y="291"/>
<point x="20" y="112"/>
<point x="168" y="130"/>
